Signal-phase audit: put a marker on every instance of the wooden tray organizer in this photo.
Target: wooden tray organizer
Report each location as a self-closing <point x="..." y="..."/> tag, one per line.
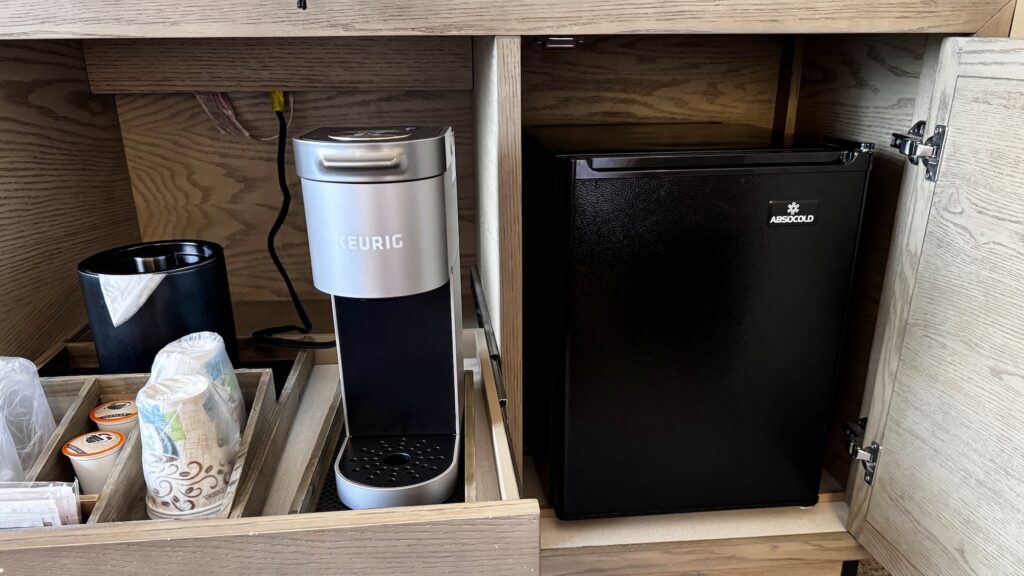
<point x="272" y="527"/>
<point x="71" y="400"/>
<point x="293" y="461"/>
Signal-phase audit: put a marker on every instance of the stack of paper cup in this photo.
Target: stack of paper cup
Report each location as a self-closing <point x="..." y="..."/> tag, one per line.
<point x="93" y="455"/>
<point x="203" y="353"/>
<point x="190" y="443"/>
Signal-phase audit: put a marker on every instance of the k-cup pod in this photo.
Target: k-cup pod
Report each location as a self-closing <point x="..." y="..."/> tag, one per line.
<point x="120" y="415"/>
<point x="93" y="455"/>
<point x="190" y="442"/>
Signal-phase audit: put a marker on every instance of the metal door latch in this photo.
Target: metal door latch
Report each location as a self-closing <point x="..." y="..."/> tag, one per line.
<point x="558" y="42"/>
<point x="918" y="149"/>
<point x="867" y="456"/>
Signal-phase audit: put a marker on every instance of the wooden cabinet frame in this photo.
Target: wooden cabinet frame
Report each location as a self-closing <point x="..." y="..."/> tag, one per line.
<point x="263" y="18"/>
<point x="489" y="78"/>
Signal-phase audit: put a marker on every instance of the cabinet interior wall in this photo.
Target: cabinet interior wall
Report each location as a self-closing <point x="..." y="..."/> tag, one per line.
<point x="64" y="190"/>
<point x="124" y="152"/>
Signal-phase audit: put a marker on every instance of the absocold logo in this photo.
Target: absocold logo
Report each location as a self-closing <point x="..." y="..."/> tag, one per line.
<point x="792" y="212"/>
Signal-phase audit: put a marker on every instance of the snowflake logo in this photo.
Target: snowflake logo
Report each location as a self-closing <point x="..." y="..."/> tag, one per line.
<point x="793" y="208"/>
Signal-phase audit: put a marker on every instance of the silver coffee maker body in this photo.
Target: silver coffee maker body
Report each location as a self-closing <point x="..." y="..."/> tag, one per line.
<point x="382" y="220"/>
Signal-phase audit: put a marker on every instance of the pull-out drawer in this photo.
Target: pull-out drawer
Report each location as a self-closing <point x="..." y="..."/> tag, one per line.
<point x="492" y="532"/>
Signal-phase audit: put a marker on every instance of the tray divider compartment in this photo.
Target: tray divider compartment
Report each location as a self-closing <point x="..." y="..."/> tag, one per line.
<point x="123" y="496"/>
<point x="255" y="489"/>
<point x="77" y="396"/>
<point x="306" y="432"/>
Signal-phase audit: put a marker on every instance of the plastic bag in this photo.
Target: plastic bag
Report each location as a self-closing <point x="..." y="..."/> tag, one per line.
<point x="203" y="353"/>
<point x="24" y="408"/>
<point x="190" y="443"/>
<point x="10" y="464"/>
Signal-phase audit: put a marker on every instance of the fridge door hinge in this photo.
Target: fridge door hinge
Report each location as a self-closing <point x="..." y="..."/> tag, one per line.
<point x="558" y="42"/>
<point x="867" y="456"/>
<point x="918" y="149"/>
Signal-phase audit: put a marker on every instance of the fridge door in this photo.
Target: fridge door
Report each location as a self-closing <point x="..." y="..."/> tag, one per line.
<point x="705" y="312"/>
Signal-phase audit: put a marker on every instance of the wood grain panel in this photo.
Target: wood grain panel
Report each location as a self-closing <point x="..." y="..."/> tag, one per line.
<point x="244" y="18"/>
<point x="811" y="554"/>
<point x="950" y="493"/>
<point x="693" y="527"/>
<point x="911" y="222"/>
<point x="498" y="117"/>
<point x="803" y="569"/>
<point x="484" y="457"/>
<point x="861" y="88"/>
<point x="642" y="566"/>
<point x="787" y="93"/>
<point x="999" y="25"/>
<point x="246" y="64"/>
<point x="191" y="181"/>
<point x="487" y="538"/>
<point x="51" y="465"/>
<point x="649" y="79"/>
<point x="307" y="435"/>
<point x="469" y="439"/>
<point x="1017" y="26"/>
<point x="64" y="191"/>
<point x="256" y="489"/>
<point x="123" y="497"/>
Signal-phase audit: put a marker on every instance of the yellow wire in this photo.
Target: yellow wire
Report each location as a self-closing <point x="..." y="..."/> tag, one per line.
<point x="277" y="100"/>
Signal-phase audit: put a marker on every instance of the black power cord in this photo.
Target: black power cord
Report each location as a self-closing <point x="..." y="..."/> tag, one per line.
<point x="271" y="335"/>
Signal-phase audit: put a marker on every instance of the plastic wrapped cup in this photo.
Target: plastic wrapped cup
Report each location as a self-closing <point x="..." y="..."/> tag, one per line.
<point x="24" y="408"/>
<point x="203" y="353"/>
<point x="120" y="415"/>
<point x="190" y="442"/>
<point x="10" y="464"/>
<point x="93" y="455"/>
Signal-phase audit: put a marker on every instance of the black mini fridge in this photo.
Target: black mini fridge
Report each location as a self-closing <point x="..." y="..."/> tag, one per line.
<point x="684" y="296"/>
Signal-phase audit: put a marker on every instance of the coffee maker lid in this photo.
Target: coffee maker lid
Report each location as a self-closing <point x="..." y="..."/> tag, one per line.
<point x="370" y="135"/>
<point x="372" y="155"/>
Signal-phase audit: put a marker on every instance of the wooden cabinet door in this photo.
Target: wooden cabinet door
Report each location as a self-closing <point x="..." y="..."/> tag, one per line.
<point x="947" y="371"/>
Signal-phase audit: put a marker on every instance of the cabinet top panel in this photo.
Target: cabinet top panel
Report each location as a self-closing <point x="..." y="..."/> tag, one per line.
<point x="261" y="18"/>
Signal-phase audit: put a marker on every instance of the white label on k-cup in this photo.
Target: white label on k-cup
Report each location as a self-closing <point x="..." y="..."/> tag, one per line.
<point x="114" y="411"/>
<point x="93" y="443"/>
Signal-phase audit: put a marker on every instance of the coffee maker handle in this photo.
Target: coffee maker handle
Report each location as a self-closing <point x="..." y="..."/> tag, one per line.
<point x="389" y="161"/>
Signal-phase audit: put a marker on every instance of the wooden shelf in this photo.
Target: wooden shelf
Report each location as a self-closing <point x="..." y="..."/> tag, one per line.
<point x="244" y="18"/>
<point x="761" y="540"/>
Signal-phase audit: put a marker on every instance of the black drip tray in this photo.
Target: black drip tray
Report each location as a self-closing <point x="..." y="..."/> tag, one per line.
<point x="374" y="460"/>
<point x="390" y="461"/>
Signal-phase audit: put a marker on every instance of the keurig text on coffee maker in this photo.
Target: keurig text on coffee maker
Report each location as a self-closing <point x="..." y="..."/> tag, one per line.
<point x="382" y="221"/>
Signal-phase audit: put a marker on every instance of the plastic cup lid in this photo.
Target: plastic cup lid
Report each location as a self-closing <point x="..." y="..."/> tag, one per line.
<point x="116" y="411"/>
<point x="93" y="444"/>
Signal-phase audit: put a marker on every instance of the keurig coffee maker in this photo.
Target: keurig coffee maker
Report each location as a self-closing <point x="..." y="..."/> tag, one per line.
<point x="382" y="221"/>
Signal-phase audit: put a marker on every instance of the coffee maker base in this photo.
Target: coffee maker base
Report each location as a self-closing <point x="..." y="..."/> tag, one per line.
<point x="387" y="471"/>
